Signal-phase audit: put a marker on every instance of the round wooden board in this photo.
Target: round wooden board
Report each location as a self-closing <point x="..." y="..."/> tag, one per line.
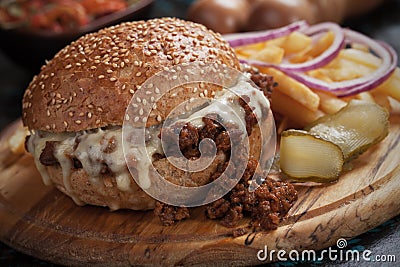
<point x="40" y="221"/>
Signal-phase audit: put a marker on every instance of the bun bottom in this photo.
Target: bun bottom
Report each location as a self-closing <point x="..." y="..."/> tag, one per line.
<point x="102" y="192"/>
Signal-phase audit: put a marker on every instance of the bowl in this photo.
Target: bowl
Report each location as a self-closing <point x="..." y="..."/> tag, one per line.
<point x="31" y="48"/>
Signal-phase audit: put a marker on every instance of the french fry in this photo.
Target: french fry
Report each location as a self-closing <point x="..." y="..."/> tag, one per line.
<point x="296" y="42"/>
<point x="391" y="87"/>
<point x="296" y="112"/>
<point x="270" y="54"/>
<point x="294" y="89"/>
<point x="276" y="42"/>
<point x="322" y="44"/>
<point x="365" y="96"/>
<point x="248" y="50"/>
<point x="382" y="100"/>
<point x="360" y="57"/>
<point x="330" y="103"/>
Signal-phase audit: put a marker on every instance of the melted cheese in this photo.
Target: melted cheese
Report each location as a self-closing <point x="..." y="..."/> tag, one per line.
<point x="89" y="146"/>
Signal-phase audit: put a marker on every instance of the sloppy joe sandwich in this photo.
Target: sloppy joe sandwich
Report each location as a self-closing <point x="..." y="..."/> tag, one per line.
<point x="76" y="106"/>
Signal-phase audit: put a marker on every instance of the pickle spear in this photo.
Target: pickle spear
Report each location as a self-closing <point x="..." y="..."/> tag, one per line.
<point x="354" y="128"/>
<point x="319" y="152"/>
<point x="307" y="157"/>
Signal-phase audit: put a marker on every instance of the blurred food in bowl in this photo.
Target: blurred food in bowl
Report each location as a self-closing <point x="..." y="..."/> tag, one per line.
<point x="251" y="15"/>
<point x="33" y="31"/>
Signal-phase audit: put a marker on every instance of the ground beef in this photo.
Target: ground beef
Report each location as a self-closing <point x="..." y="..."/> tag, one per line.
<point x="47" y="157"/>
<point x="109" y="146"/>
<point x="267" y="206"/>
<point x="190" y="137"/>
<point x="262" y="80"/>
<point x="250" y="117"/>
<point x="168" y="214"/>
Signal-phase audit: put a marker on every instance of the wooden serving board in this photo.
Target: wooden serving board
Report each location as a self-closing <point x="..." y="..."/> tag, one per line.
<point x="40" y="221"/>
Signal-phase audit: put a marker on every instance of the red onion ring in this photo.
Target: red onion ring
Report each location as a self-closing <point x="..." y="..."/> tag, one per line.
<point x="344" y="88"/>
<point x="239" y="39"/>
<point x="351" y="87"/>
<point x="318" y="62"/>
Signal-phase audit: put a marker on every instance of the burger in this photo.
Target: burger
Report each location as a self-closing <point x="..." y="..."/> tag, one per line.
<point x="75" y="109"/>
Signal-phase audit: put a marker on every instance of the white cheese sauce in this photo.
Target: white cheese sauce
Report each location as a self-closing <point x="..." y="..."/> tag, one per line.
<point x="89" y="147"/>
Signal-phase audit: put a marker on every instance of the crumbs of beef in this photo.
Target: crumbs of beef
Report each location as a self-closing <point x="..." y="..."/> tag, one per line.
<point x="249" y="116"/>
<point x="190" y="137"/>
<point x="267" y="205"/>
<point x="168" y="214"/>
<point x="47" y="157"/>
<point x="264" y="81"/>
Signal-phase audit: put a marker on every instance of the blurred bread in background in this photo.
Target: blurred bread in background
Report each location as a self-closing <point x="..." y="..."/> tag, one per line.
<point x="251" y="15"/>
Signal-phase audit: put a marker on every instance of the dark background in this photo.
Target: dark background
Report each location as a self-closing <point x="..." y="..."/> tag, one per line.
<point x="382" y="23"/>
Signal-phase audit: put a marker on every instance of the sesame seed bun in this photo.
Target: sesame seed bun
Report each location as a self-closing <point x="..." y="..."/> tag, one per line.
<point x="90" y="82"/>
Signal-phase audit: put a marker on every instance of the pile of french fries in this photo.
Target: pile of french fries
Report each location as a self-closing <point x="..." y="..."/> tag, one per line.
<point x="299" y="104"/>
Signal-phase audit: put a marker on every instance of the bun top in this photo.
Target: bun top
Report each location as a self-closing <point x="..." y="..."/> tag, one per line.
<point x="90" y="82"/>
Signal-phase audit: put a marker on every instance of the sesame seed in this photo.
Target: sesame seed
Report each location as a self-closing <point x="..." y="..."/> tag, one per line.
<point x="66" y="124"/>
<point x="90" y="106"/>
<point x="81" y="114"/>
<point x="136" y="119"/>
<point x="98" y="121"/>
<point x="159" y="118"/>
<point x="113" y="79"/>
<point x="78" y="122"/>
<point x="127" y="117"/>
<point x="48" y="127"/>
<point x="109" y="71"/>
<point x="138" y="74"/>
<point x="138" y="99"/>
<point x="144" y="119"/>
<point x="157" y="91"/>
<point x="101" y="76"/>
<point x="201" y="95"/>
<point x="71" y="114"/>
<point x="141" y="112"/>
<point x="48" y="113"/>
<point x="144" y="101"/>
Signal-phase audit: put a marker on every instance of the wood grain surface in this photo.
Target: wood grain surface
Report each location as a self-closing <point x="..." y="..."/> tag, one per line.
<point x="40" y="221"/>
